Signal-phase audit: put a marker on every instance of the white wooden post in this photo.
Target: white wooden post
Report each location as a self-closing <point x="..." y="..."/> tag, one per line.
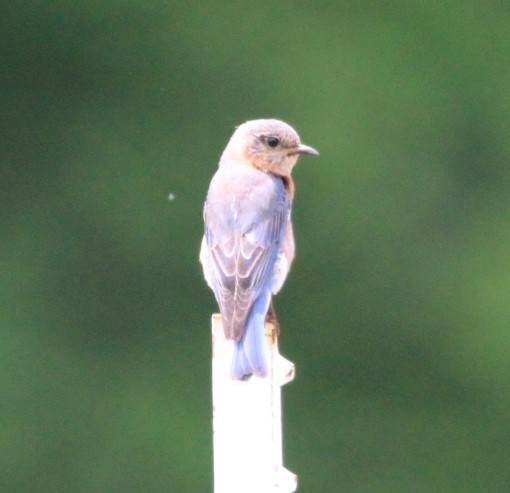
<point x="247" y="424"/>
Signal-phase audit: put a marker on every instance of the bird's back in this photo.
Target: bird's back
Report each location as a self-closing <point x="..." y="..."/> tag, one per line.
<point x="246" y="213"/>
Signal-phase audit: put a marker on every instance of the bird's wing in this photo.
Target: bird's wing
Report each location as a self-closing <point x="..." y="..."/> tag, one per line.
<point x="242" y="254"/>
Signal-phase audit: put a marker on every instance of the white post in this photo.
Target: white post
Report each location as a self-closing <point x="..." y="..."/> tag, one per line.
<point x="247" y="424"/>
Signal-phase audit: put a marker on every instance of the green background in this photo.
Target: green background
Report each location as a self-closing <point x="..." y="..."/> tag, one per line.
<point x="397" y="309"/>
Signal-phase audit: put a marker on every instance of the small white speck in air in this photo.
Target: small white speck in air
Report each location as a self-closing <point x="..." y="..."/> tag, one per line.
<point x="171" y="196"/>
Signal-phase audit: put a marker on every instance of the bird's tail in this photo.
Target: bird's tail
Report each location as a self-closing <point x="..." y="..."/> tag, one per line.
<point x="250" y="353"/>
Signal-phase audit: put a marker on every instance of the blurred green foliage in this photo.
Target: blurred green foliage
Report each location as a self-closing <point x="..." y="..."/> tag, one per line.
<point x="397" y="309"/>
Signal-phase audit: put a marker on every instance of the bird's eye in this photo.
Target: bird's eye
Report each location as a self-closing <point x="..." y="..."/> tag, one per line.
<point x="273" y="141"/>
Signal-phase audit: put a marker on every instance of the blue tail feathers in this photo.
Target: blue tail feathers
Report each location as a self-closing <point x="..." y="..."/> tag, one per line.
<point x="250" y="353"/>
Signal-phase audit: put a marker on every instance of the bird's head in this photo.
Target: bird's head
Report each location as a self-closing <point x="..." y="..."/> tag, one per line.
<point x="269" y="145"/>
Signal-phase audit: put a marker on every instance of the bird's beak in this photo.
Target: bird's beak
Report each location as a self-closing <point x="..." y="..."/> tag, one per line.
<point x="302" y="149"/>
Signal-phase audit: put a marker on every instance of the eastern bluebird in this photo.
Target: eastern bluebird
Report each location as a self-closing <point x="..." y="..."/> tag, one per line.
<point x="248" y="245"/>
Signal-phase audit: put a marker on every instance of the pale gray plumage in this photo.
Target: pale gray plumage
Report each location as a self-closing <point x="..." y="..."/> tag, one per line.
<point x="248" y="244"/>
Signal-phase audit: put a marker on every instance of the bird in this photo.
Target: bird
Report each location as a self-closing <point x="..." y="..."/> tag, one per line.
<point x="248" y="243"/>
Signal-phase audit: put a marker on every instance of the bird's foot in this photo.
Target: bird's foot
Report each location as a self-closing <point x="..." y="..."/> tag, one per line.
<point x="271" y="319"/>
